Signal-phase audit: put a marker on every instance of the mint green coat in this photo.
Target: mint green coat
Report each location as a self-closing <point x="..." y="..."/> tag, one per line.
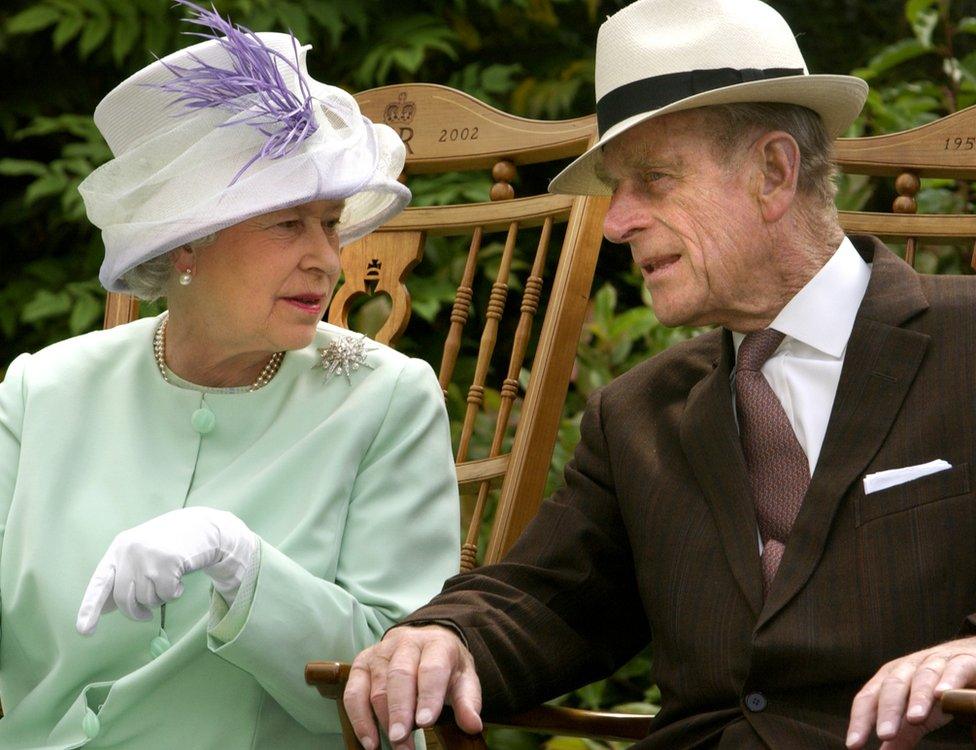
<point x="350" y="486"/>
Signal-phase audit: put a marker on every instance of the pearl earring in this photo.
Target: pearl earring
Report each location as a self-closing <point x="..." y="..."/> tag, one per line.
<point x="186" y="277"/>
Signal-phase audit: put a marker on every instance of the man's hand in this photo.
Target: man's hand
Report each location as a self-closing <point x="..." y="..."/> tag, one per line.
<point x="406" y="679"/>
<point x="900" y="701"/>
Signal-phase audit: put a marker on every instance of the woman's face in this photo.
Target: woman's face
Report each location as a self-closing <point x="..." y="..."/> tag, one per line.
<point x="263" y="284"/>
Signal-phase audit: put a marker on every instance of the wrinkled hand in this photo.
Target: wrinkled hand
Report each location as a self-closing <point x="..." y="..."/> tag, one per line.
<point x="406" y="679"/>
<point x="900" y="702"/>
<point x="144" y="566"/>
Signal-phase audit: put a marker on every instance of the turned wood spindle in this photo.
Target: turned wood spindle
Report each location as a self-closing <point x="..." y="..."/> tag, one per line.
<point x="907" y="185"/>
<point x="503" y="173"/>
<point x="469" y="556"/>
<point x="459" y="313"/>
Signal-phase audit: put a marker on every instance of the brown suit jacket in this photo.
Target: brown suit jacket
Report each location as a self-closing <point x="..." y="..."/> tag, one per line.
<point x="654" y="538"/>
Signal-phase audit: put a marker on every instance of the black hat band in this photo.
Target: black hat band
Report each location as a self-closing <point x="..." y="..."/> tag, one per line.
<point x="648" y="94"/>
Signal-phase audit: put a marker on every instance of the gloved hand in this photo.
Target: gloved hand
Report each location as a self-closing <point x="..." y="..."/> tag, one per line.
<point x="144" y="566"/>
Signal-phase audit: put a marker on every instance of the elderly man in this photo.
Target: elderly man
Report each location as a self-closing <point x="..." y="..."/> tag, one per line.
<point x="731" y="500"/>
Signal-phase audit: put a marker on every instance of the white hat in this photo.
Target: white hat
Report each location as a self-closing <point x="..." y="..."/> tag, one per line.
<point x="660" y="56"/>
<point x="201" y="142"/>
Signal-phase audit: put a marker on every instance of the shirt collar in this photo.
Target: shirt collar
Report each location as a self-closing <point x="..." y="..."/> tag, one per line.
<point x="821" y="315"/>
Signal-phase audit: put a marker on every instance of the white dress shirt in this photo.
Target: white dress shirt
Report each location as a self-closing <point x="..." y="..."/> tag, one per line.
<point x="805" y="369"/>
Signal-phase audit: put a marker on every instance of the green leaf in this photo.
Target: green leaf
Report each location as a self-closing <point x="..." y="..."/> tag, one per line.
<point x="604" y="303"/>
<point x="86" y="312"/>
<point x="94" y="34"/>
<point x="966" y="25"/>
<point x="33" y="19"/>
<point x="634" y="323"/>
<point x="497" y="79"/>
<point x="45" y="305"/>
<point x="892" y="55"/>
<point x="327" y="16"/>
<point x="124" y="36"/>
<point x="67" y="30"/>
<point x="49" y="184"/>
<point x="915" y="8"/>
<point x="18" y="167"/>
<point x="638" y="707"/>
<point x="924" y="26"/>
<point x="566" y="743"/>
<point x="294" y="19"/>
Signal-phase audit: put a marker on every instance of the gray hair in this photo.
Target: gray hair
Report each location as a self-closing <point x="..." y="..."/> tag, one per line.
<point x="149" y="280"/>
<point x="732" y="124"/>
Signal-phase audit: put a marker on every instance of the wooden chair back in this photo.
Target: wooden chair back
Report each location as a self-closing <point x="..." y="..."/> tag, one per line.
<point x="945" y="148"/>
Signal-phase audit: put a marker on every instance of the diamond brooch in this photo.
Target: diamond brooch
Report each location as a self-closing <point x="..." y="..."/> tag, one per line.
<point x="344" y="355"/>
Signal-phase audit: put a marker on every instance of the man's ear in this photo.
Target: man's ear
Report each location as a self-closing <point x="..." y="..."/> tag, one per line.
<point x="778" y="156"/>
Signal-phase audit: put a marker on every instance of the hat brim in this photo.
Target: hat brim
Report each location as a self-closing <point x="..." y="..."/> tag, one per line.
<point x="837" y="99"/>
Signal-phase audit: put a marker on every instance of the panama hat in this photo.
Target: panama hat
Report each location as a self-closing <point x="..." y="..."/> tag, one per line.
<point x="660" y="56"/>
<point x="225" y="130"/>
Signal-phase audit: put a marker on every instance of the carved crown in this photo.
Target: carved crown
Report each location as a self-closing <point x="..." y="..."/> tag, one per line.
<point x="400" y="112"/>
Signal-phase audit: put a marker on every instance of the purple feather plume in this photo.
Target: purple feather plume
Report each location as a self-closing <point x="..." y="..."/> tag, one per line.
<point x="254" y="87"/>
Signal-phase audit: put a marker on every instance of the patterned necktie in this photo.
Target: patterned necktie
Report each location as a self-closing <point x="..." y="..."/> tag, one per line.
<point x="778" y="468"/>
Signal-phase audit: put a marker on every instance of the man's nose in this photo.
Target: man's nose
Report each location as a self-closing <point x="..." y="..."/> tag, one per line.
<point x="624" y="217"/>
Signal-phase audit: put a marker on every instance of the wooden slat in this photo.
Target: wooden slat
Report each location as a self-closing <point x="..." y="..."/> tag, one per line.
<point x="491" y="217"/>
<point x="934" y="227"/>
<point x="120" y="309"/>
<point x="929" y="150"/>
<point x="447" y="130"/>
<point x="382" y="260"/>
<point x="482" y="469"/>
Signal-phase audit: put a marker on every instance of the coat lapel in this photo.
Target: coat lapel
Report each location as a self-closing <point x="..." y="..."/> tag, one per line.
<point x="880" y="364"/>
<point x="710" y="441"/>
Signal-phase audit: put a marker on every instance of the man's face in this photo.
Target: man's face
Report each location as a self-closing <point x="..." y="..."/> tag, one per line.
<point x="693" y="224"/>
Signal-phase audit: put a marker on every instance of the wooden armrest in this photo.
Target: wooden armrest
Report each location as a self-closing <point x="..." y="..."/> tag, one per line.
<point x="330" y="678"/>
<point x="576" y="722"/>
<point x="961" y="704"/>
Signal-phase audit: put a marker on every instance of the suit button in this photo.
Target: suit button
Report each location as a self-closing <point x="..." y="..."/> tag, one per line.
<point x="203" y="420"/>
<point x="90" y="725"/>
<point x="756" y="702"/>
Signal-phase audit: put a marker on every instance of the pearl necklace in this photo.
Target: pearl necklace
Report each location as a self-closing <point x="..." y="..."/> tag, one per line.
<point x="159" y="351"/>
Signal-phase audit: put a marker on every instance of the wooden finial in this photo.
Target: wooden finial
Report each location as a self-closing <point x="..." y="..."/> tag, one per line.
<point x="907" y="186"/>
<point x="503" y="173"/>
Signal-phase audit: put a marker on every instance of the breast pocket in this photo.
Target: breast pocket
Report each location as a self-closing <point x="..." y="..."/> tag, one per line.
<point x="913" y="494"/>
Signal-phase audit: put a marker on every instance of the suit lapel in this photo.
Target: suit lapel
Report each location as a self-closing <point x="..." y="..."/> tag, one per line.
<point x="710" y="441"/>
<point x="880" y="364"/>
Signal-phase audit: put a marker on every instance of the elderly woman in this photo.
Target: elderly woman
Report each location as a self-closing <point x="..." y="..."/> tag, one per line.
<point x="249" y="487"/>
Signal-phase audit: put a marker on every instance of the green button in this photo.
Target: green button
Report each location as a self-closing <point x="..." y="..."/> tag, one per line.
<point x="90" y="725"/>
<point x="203" y="420"/>
<point x="159" y="646"/>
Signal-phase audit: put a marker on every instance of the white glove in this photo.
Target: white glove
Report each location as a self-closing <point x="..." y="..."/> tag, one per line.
<point x="144" y="566"/>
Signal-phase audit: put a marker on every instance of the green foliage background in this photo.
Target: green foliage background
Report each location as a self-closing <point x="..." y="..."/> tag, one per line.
<point x="529" y="57"/>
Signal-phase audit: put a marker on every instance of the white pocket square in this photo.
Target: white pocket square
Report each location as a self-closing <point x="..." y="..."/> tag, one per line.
<point x="882" y="480"/>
